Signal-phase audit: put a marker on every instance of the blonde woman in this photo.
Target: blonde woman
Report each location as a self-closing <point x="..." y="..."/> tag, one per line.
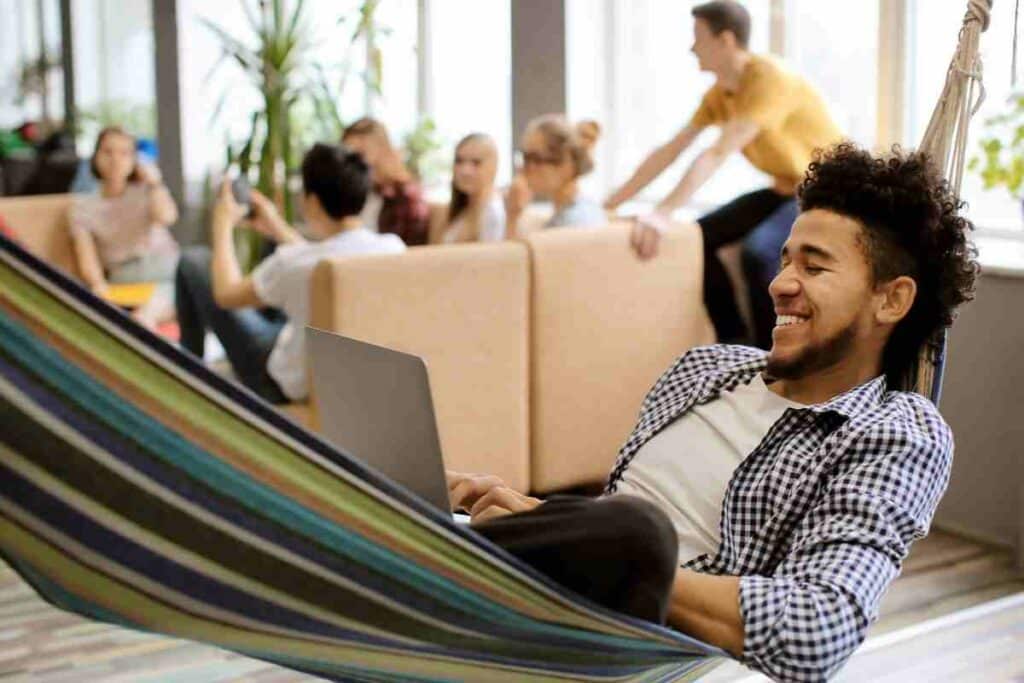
<point x="554" y="156"/>
<point x="476" y="212"/>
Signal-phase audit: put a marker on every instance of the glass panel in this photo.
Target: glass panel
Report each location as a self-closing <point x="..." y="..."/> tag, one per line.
<point x="934" y="26"/>
<point x="836" y="49"/>
<point x="471" y="73"/>
<point x="115" y="68"/>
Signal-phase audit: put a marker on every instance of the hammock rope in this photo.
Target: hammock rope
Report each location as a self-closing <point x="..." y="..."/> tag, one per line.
<point x="945" y="143"/>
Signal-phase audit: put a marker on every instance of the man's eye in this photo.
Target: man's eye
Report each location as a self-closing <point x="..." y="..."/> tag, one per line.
<point x="814" y="270"/>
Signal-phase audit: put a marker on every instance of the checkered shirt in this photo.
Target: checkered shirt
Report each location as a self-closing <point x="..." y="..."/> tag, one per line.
<point x="817" y="520"/>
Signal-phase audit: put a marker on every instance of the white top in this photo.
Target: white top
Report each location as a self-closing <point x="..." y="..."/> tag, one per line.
<point x="686" y="467"/>
<point x="121" y="226"/>
<point x="492" y="223"/>
<point x="371" y="211"/>
<point x="582" y="213"/>
<point x="282" y="280"/>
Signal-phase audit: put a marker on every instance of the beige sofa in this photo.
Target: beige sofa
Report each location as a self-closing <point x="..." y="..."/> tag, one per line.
<point x="539" y="350"/>
<point x="40" y="224"/>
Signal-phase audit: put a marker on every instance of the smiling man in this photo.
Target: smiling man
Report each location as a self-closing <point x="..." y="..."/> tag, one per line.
<point x="765" y="501"/>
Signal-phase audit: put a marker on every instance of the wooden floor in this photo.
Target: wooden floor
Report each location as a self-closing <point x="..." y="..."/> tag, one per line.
<point x="956" y="613"/>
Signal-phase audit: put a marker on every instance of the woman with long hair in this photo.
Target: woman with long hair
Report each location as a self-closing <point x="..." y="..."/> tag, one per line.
<point x="554" y="155"/>
<point x="397" y="204"/>
<point x="476" y="212"/>
<point x="121" y="234"/>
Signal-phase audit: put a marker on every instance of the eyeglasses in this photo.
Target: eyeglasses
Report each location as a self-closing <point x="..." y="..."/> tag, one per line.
<point x="535" y="159"/>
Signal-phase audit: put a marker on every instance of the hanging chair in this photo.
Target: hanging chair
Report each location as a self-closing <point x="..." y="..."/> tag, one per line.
<point x="140" y="489"/>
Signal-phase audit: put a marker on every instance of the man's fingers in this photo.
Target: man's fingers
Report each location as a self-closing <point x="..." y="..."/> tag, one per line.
<point x="503" y="497"/>
<point x="492" y="512"/>
<point x="466" y="492"/>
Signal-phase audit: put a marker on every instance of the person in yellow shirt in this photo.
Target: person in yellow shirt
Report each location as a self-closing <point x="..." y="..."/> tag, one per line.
<point x="777" y="120"/>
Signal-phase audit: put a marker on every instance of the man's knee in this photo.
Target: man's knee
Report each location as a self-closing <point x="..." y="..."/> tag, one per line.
<point x="639" y="528"/>
<point x="194" y="264"/>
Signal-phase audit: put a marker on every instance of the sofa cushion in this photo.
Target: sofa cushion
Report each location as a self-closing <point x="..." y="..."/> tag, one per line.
<point x="463" y="309"/>
<point x="40" y="224"/>
<point x="605" y="325"/>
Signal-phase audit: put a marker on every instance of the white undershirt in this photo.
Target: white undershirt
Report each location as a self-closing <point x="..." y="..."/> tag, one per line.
<point x="686" y="467"/>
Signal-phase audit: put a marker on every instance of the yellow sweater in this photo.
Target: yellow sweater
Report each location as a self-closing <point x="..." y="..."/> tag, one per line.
<point x="790" y="112"/>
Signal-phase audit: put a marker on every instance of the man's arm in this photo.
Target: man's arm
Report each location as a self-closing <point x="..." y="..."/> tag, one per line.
<point x="735" y="136"/>
<point x="708" y="607"/>
<point x="651" y="167"/>
<point x="230" y="288"/>
<point x="647" y="231"/>
<point x="807" y="615"/>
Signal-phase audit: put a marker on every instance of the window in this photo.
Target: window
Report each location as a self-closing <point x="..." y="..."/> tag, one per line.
<point x="933" y="27"/>
<point x="836" y="49"/>
<point x="629" y="67"/>
<point x="115" y="72"/>
<point x="469" y="73"/>
<point x="22" y="40"/>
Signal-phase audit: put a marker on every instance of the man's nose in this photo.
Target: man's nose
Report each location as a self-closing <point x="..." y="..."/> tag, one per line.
<point x="784" y="285"/>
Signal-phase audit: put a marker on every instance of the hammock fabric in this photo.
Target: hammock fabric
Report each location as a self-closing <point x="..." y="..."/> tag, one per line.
<point x="138" y="488"/>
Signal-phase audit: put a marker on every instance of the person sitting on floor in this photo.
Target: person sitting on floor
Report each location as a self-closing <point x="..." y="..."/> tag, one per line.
<point x="266" y="347"/>
<point x="476" y="212"/>
<point x="777" y="119"/>
<point x="121" y="235"/>
<point x="765" y="501"/>
<point x="397" y="204"/>
<point x="555" y="155"/>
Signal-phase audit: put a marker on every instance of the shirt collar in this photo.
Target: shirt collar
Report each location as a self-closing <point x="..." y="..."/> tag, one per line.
<point x="857" y="400"/>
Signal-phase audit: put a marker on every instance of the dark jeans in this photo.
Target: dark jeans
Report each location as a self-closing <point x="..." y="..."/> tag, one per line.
<point x="247" y="334"/>
<point x="620" y="551"/>
<point x="762" y="219"/>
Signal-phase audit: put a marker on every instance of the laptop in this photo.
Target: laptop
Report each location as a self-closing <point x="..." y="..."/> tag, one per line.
<point x="374" y="403"/>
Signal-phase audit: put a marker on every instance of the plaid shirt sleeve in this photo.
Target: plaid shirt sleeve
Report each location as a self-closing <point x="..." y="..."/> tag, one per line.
<point x="804" y="620"/>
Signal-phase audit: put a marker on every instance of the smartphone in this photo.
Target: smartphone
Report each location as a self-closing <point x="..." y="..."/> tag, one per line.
<point x="242" y="191"/>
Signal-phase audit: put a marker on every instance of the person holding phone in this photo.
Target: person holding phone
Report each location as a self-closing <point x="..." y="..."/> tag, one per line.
<point x="121" y="234"/>
<point x="260" y="318"/>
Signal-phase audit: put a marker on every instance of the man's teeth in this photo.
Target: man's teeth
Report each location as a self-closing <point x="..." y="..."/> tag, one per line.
<point x="783" y="320"/>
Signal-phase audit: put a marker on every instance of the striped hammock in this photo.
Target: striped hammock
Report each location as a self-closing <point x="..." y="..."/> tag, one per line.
<point x="139" y="488"/>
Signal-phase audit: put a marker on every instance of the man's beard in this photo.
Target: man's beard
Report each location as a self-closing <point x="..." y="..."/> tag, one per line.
<point x="814" y="358"/>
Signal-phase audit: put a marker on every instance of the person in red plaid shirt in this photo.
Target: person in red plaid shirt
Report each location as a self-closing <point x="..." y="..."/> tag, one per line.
<point x="397" y="204"/>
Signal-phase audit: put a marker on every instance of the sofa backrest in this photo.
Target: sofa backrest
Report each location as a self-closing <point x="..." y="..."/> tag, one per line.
<point x="463" y="309"/>
<point x="604" y="326"/>
<point x="40" y="224"/>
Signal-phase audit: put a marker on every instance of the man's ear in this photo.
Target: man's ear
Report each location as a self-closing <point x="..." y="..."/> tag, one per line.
<point x="896" y="298"/>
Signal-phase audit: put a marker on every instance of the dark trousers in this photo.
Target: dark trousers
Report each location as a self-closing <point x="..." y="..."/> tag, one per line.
<point x="247" y="334"/>
<point x="620" y="551"/>
<point x="762" y="219"/>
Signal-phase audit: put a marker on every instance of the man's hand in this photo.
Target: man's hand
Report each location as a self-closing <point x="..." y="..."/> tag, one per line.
<point x="485" y="496"/>
<point x="226" y="212"/>
<point x="264" y="217"/>
<point x="646" y="234"/>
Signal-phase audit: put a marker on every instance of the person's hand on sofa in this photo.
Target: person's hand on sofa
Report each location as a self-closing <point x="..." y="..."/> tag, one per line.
<point x="485" y="496"/>
<point x="517" y="197"/>
<point x="646" y="234"/>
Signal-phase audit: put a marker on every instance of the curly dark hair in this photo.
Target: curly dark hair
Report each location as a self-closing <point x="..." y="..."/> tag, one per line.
<point x="912" y="226"/>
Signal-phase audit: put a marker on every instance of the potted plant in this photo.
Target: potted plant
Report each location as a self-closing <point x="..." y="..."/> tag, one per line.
<point x="1000" y="162"/>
